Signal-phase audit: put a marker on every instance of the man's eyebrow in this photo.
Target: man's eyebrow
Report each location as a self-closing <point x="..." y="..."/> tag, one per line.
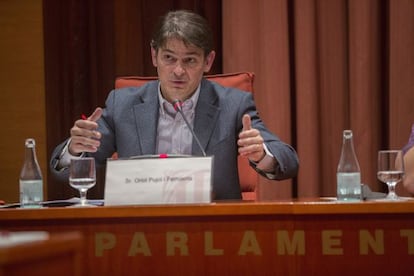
<point x="193" y="53"/>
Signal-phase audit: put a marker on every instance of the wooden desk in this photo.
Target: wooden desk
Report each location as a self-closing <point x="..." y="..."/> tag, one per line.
<point x="59" y="254"/>
<point x="263" y="238"/>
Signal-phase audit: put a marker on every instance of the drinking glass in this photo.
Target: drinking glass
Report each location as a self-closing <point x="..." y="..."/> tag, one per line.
<point x="390" y="170"/>
<point x="82" y="177"/>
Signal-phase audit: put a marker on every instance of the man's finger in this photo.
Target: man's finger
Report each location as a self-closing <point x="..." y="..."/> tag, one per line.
<point x="95" y="115"/>
<point x="247" y="123"/>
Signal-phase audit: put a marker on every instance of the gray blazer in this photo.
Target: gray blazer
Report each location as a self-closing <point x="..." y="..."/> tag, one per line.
<point x="129" y="127"/>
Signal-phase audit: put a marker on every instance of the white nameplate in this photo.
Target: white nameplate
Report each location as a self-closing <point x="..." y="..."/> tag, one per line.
<point x="157" y="180"/>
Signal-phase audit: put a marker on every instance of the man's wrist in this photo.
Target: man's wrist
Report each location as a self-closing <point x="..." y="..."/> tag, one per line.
<point x="66" y="156"/>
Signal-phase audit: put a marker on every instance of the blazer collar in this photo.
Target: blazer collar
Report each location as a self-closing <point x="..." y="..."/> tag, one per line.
<point x="206" y="115"/>
<point x="146" y="113"/>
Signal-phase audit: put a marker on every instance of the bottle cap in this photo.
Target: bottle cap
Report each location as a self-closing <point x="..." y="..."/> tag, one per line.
<point x="30" y="142"/>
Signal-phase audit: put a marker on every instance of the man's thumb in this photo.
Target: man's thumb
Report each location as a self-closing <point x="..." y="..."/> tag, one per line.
<point x="247" y="123"/>
<point x="96" y="114"/>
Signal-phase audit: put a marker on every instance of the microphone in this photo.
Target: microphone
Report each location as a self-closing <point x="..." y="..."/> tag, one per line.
<point x="177" y="106"/>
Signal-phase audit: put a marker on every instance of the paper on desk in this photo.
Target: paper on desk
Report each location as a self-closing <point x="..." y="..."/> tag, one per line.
<point x="58" y="203"/>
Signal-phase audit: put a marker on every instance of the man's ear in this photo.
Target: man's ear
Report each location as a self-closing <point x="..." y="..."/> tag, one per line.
<point x="209" y="61"/>
<point x="154" y="56"/>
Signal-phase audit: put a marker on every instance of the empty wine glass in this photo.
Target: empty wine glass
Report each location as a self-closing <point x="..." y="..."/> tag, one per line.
<point x="82" y="177"/>
<point x="390" y="170"/>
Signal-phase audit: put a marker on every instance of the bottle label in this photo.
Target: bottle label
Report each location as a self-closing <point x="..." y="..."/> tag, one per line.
<point x="31" y="193"/>
<point x="348" y="186"/>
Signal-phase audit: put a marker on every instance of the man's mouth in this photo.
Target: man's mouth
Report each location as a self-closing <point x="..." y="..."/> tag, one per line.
<point x="178" y="83"/>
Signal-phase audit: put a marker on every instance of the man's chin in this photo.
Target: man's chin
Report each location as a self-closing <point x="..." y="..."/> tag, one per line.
<point x="174" y="92"/>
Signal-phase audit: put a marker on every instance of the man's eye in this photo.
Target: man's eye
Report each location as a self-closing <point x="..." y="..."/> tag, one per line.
<point x="190" y="61"/>
<point x="168" y="58"/>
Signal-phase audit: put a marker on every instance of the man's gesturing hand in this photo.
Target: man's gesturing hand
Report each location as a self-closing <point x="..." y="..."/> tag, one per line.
<point x="84" y="137"/>
<point x="250" y="141"/>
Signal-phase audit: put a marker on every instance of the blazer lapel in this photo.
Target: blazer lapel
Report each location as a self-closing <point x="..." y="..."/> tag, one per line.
<point x="207" y="113"/>
<point x="146" y="117"/>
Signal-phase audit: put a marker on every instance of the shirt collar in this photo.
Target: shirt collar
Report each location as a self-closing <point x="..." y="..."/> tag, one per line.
<point x="190" y="103"/>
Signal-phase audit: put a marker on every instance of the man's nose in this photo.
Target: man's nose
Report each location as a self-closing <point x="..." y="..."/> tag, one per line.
<point x="179" y="69"/>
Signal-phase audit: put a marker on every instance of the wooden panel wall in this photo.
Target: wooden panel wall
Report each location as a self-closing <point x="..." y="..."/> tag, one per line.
<point x="22" y="107"/>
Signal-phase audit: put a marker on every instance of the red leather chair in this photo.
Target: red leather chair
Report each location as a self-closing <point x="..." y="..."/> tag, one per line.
<point x="241" y="80"/>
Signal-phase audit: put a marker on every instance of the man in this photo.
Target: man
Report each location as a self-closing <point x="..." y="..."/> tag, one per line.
<point x="142" y="120"/>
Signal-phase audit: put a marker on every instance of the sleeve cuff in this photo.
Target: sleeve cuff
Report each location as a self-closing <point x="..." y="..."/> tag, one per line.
<point x="65" y="157"/>
<point x="266" y="166"/>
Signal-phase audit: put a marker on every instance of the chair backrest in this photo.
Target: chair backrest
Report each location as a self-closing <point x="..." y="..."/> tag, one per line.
<point x="241" y="80"/>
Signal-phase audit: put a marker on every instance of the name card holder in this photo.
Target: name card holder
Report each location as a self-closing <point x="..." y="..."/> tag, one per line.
<point x="158" y="180"/>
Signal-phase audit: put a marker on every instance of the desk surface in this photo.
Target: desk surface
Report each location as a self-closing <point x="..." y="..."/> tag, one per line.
<point x="320" y="206"/>
<point x="313" y="237"/>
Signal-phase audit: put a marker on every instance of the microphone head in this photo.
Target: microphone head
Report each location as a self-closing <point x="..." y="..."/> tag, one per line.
<point x="177" y="104"/>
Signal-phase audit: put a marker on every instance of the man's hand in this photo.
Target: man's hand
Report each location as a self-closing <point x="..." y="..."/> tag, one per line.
<point x="84" y="137"/>
<point x="250" y="141"/>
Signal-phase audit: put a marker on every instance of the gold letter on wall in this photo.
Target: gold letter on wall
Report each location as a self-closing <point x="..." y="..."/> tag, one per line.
<point x="249" y="244"/>
<point x="139" y="244"/>
<point x="209" y="249"/>
<point x="104" y="241"/>
<point x="287" y="246"/>
<point x="409" y="233"/>
<point x="331" y="242"/>
<point x="366" y="240"/>
<point x="177" y="240"/>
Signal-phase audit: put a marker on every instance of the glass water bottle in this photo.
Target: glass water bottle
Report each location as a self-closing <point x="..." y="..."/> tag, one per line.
<point x="31" y="181"/>
<point x="348" y="173"/>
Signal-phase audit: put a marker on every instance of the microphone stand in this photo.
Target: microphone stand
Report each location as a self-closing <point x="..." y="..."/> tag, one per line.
<point x="177" y="106"/>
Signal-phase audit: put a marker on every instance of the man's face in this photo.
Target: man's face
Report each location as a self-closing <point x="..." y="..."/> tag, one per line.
<point x="180" y="68"/>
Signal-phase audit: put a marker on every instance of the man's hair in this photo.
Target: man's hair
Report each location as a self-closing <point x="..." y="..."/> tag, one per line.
<point x="186" y="26"/>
